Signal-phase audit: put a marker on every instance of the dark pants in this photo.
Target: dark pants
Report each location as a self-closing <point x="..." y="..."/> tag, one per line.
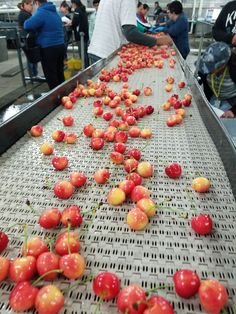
<point x="52" y="59"/>
<point x="86" y="58"/>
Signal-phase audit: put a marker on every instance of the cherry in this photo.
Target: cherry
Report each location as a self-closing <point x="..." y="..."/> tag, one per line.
<point x="173" y="170"/>
<point x="106" y="285"/>
<point x="134" y="153"/>
<point x="186" y="283"/>
<point x="49" y="300"/>
<point x="202" y="224"/>
<point x="159" y="305"/>
<point x="78" y="179"/>
<point x="46" y="262"/>
<point x="59" y="163"/>
<point x="72" y="215"/>
<point x="50" y="218"/>
<point x="127" y="186"/>
<point x="132" y="300"/>
<point x="23" y="296"/>
<point x="136" y="178"/>
<point x="4" y="267"/>
<point x="35" y="247"/>
<point x="212" y="295"/>
<point x="3" y="241"/>
<point x="119" y="148"/>
<point x="61" y="244"/>
<point x="73" y="265"/>
<point x="22" y="268"/>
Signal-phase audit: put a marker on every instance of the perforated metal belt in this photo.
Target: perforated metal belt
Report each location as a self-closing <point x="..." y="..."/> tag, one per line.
<point x="149" y="257"/>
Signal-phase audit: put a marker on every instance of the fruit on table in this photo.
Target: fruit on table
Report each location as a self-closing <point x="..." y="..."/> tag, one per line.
<point x="64" y="189"/>
<point x="73" y="265"/>
<point x="4" y="267"/>
<point x="202" y="224"/>
<point x="3" y="241"/>
<point x="61" y="244"/>
<point x="36" y="130"/>
<point x="137" y="219"/>
<point x="22" y="268"/>
<point x="134" y="153"/>
<point x="168" y="87"/>
<point x="46" y="262"/>
<point x="106" y="285"/>
<point x="116" y="196"/>
<point x="78" y="179"/>
<point x="158" y="305"/>
<point x="212" y="295"/>
<point x="171" y="121"/>
<point x="35" y="246"/>
<point x="121" y="137"/>
<point x="68" y="120"/>
<point x="148" y="206"/>
<point x="181" y="84"/>
<point x="130" y="165"/>
<point x="134" y="132"/>
<point x="116" y="158"/>
<point x="119" y="147"/>
<point x="47" y="148"/>
<point x="135" y="178"/>
<point x="60" y="163"/>
<point x="170" y="80"/>
<point x="147" y="91"/>
<point x="71" y="215"/>
<point x="107" y="115"/>
<point x="23" y="296"/>
<point x="50" y="218"/>
<point x="132" y="300"/>
<point x="139" y="192"/>
<point x="88" y="130"/>
<point x="173" y="170"/>
<point x="98" y="133"/>
<point x="201" y="184"/>
<point x="58" y="135"/>
<point x="70" y="138"/>
<point x="49" y="300"/>
<point x="97" y="143"/>
<point x="146" y="133"/>
<point x="131" y="120"/>
<point x="186" y="283"/>
<point x="149" y="109"/>
<point x="145" y="169"/>
<point x="101" y="176"/>
<point x="127" y="186"/>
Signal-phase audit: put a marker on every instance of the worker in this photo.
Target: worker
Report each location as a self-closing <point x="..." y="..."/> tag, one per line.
<point x="157" y="10"/>
<point x="46" y="22"/>
<point x="93" y="18"/>
<point x="64" y="12"/>
<point x="217" y="69"/>
<point x="225" y="25"/>
<point x="115" y="25"/>
<point x="26" y="9"/>
<point x="80" y="25"/>
<point x="141" y="14"/>
<point x="178" y="27"/>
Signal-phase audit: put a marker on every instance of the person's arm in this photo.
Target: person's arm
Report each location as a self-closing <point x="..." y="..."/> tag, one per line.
<point x="175" y="29"/>
<point x="33" y="23"/>
<point x="133" y="35"/>
<point x="219" y="30"/>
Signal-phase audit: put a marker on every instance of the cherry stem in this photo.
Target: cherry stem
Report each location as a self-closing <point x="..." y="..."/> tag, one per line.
<point x="25" y="239"/>
<point x="93" y="211"/>
<point x="97" y="308"/>
<point x="192" y="203"/>
<point x="158" y="288"/>
<point x="30" y="206"/>
<point x="79" y="283"/>
<point x="11" y="226"/>
<point x="50" y="241"/>
<point x="47" y="273"/>
<point x="181" y="213"/>
<point x="68" y="238"/>
<point x="144" y="147"/>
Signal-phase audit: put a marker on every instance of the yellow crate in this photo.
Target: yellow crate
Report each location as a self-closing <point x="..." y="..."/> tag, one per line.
<point x="67" y="74"/>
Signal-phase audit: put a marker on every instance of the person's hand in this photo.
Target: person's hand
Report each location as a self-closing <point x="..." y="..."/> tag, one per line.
<point x="234" y="40"/>
<point x="228" y="114"/>
<point x="164" y="40"/>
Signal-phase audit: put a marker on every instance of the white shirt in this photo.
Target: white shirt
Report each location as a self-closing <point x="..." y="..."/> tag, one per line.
<point x="107" y="34"/>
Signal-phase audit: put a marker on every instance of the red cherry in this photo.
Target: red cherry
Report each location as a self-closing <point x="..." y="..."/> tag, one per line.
<point x="127" y="186"/>
<point x="119" y="148"/>
<point x="149" y="109"/>
<point x="68" y="120"/>
<point x="46" y="262"/>
<point x="23" y="296"/>
<point x="61" y="244"/>
<point x="4" y="267"/>
<point x="186" y="283"/>
<point x="60" y="163"/>
<point x="3" y="241"/>
<point x="22" y="268"/>
<point x="136" y="178"/>
<point x="50" y="218"/>
<point x="35" y="247"/>
<point x="212" y="295"/>
<point x="73" y="265"/>
<point x="173" y="170"/>
<point x="159" y="305"/>
<point x="202" y="224"/>
<point x="71" y="214"/>
<point x="135" y="153"/>
<point x="97" y="143"/>
<point x="63" y="189"/>
<point x="49" y="300"/>
<point x="132" y="300"/>
<point x="78" y="179"/>
<point x="106" y="285"/>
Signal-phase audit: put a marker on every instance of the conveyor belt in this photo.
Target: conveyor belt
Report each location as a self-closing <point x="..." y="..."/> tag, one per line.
<point x="149" y="257"/>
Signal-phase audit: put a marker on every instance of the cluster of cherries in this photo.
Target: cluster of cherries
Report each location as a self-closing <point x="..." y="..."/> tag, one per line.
<point x="133" y="299"/>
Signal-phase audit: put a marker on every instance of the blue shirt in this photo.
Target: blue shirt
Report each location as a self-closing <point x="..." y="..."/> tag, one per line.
<point x="47" y="25"/>
<point x="178" y="30"/>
